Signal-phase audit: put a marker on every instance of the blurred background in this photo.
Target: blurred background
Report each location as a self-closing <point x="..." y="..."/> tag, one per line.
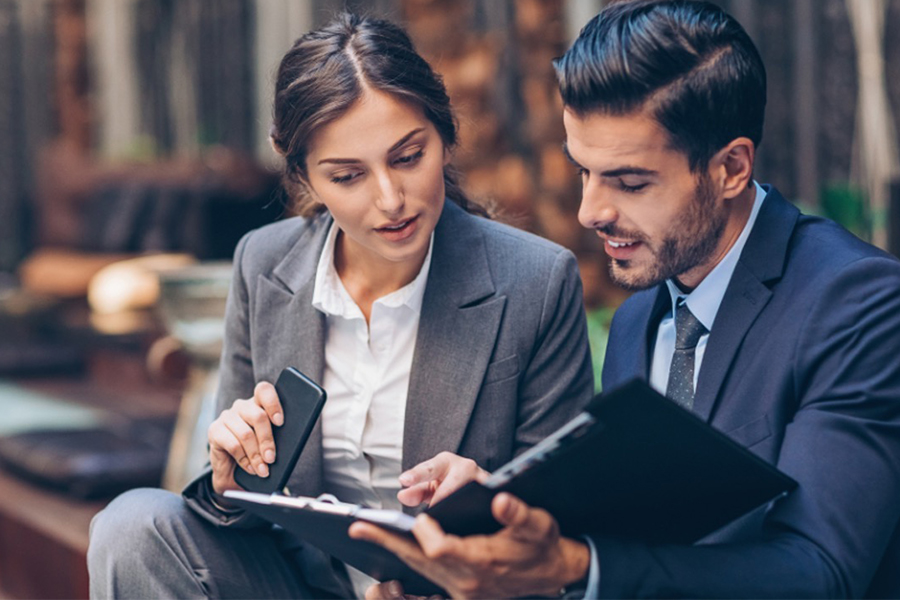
<point x="134" y="154"/>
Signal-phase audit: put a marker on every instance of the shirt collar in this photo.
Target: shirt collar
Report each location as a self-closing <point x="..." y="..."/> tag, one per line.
<point x="705" y="299"/>
<point x="331" y="297"/>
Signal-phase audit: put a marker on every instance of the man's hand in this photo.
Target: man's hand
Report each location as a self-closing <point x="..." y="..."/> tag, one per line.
<point x="242" y="435"/>
<point x="435" y="479"/>
<point x="527" y="557"/>
<point x="392" y="590"/>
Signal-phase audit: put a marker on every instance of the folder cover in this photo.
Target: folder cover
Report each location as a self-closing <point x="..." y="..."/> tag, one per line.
<point x="633" y="465"/>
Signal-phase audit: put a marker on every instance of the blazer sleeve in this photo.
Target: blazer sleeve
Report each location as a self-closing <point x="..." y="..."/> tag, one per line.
<point x="842" y="446"/>
<point x="559" y="373"/>
<point x="236" y="380"/>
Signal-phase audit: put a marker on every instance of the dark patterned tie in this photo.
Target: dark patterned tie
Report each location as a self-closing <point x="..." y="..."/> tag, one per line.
<point x="681" y="374"/>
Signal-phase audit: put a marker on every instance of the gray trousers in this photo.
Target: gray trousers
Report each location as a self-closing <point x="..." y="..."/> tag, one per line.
<point x="148" y="544"/>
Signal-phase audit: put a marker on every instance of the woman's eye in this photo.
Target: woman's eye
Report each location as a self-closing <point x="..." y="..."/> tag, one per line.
<point x="344" y="178"/>
<point x="410" y="158"/>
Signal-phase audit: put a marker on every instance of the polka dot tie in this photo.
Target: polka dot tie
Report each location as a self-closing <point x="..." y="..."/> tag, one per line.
<point x="688" y="331"/>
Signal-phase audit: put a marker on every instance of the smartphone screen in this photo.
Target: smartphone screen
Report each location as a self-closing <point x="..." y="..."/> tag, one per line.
<point x="301" y="402"/>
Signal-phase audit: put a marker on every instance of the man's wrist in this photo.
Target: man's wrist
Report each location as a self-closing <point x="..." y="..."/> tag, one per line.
<point x="576" y="561"/>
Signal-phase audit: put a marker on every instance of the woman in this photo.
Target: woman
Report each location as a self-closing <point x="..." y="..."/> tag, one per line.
<point x="431" y="329"/>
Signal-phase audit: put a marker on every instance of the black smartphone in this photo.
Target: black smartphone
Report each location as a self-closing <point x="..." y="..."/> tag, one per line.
<point x="302" y="400"/>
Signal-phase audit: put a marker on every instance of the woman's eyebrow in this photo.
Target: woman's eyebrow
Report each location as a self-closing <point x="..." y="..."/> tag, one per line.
<point x="345" y="161"/>
<point x="405" y="138"/>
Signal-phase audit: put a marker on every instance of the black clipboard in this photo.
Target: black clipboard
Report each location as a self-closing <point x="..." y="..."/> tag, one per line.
<point x="323" y="522"/>
<point x="632" y="465"/>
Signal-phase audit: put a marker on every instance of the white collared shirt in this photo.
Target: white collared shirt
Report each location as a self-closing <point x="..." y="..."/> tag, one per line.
<point x="703" y="302"/>
<point x="367" y="370"/>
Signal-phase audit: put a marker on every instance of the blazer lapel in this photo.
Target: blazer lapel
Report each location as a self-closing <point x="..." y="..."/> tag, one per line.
<point x="761" y="263"/>
<point x="298" y="339"/>
<point x="661" y="305"/>
<point x="457" y="329"/>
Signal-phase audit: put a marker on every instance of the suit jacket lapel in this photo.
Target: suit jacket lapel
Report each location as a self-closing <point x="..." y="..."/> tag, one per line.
<point x="299" y="338"/>
<point x="761" y="263"/>
<point x="457" y="329"/>
<point x="661" y="305"/>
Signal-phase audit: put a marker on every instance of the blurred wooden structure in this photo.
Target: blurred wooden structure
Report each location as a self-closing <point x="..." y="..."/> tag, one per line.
<point x="126" y="78"/>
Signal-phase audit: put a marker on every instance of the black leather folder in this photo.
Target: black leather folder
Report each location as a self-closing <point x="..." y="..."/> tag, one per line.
<point x="633" y="465"/>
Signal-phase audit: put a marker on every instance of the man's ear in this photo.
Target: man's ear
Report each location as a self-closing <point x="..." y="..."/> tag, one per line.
<point x="732" y="166"/>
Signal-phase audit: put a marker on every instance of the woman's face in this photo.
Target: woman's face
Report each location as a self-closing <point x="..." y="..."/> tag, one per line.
<point x="379" y="169"/>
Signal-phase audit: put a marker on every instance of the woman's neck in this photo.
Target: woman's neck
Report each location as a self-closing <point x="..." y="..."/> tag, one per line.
<point x="368" y="277"/>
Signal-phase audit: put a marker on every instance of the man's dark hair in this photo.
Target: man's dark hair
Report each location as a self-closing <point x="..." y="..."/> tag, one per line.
<point x="689" y="64"/>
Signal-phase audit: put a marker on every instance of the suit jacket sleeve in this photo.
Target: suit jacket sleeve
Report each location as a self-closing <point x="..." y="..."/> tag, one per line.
<point x="841" y="443"/>
<point x="236" y="380"/>
<point x="558" y="380"/>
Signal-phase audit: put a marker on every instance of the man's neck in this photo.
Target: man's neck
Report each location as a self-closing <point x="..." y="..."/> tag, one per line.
<point x="739" y="209"/>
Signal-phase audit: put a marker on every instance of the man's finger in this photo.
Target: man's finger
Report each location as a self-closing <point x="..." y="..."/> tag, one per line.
<point x="433" y="542"/>
<point x="391" y="590"/>
<point x="522" y="521"/>
<point x="403" y="547"/>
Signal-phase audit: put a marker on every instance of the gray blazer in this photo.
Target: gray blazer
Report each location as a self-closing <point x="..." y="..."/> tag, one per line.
<point x="501" y="357"/>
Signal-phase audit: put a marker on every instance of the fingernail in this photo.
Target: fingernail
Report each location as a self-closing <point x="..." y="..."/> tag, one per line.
<point x="395" y="589"/>
<point x="406" y="478"/>
<point x="263" y="471"/>
<point x="511" y="506"/>
<point x="278" y="419"/>
<point x="270" y="456"/>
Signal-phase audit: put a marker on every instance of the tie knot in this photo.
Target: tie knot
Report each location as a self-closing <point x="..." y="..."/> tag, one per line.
<point x="688" y="329"/>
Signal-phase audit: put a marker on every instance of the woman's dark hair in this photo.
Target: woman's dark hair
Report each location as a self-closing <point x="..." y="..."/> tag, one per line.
<point x="690" y="64"/>
<point x="326" y="72"/>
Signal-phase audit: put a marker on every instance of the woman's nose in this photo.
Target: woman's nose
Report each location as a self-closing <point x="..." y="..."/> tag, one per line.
<point x="389" y="198"/>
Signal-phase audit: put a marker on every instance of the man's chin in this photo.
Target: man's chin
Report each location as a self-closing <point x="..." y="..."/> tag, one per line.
<point x="628" y="276"/>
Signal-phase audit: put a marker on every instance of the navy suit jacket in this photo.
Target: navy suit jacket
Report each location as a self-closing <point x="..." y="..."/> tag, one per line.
<point x="803" y="368"/>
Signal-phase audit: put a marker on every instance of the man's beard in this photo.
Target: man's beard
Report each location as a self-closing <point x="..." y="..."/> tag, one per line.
<point x="690" y="242"/>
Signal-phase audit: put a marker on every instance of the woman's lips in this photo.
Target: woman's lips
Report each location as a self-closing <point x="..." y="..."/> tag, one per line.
<point x="399" y="231"/>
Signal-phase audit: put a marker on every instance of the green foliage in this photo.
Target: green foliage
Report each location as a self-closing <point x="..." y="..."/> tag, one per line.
<point x="847" y="204"/>
<point x="598" y="321"/>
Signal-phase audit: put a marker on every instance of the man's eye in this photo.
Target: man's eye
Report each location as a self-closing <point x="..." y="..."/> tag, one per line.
<point x="410" y="158"/>
<point x="632" y="188"/>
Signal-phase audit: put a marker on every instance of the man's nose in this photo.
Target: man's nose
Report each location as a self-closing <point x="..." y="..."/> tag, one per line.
<point x="597" y="209"/>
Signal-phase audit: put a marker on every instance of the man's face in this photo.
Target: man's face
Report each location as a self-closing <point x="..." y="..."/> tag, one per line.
<point x="657" y="220"/>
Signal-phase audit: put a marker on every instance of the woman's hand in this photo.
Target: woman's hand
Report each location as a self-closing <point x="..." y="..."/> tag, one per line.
<point x="435" y="479"/>
<point x="242" y="435"/>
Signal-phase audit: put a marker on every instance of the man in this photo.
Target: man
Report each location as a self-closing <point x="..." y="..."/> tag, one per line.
<point x="779" y="329"/>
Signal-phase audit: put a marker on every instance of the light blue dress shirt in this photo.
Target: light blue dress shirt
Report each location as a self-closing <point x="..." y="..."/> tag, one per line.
<point x="704" y="302"/>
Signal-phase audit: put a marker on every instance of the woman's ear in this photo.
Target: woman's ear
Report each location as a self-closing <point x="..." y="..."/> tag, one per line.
<point x="275" y="146"/>
<point x="448" y="156"/>
<point x="732" y="166"/>
<point x="273" y="140"/>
